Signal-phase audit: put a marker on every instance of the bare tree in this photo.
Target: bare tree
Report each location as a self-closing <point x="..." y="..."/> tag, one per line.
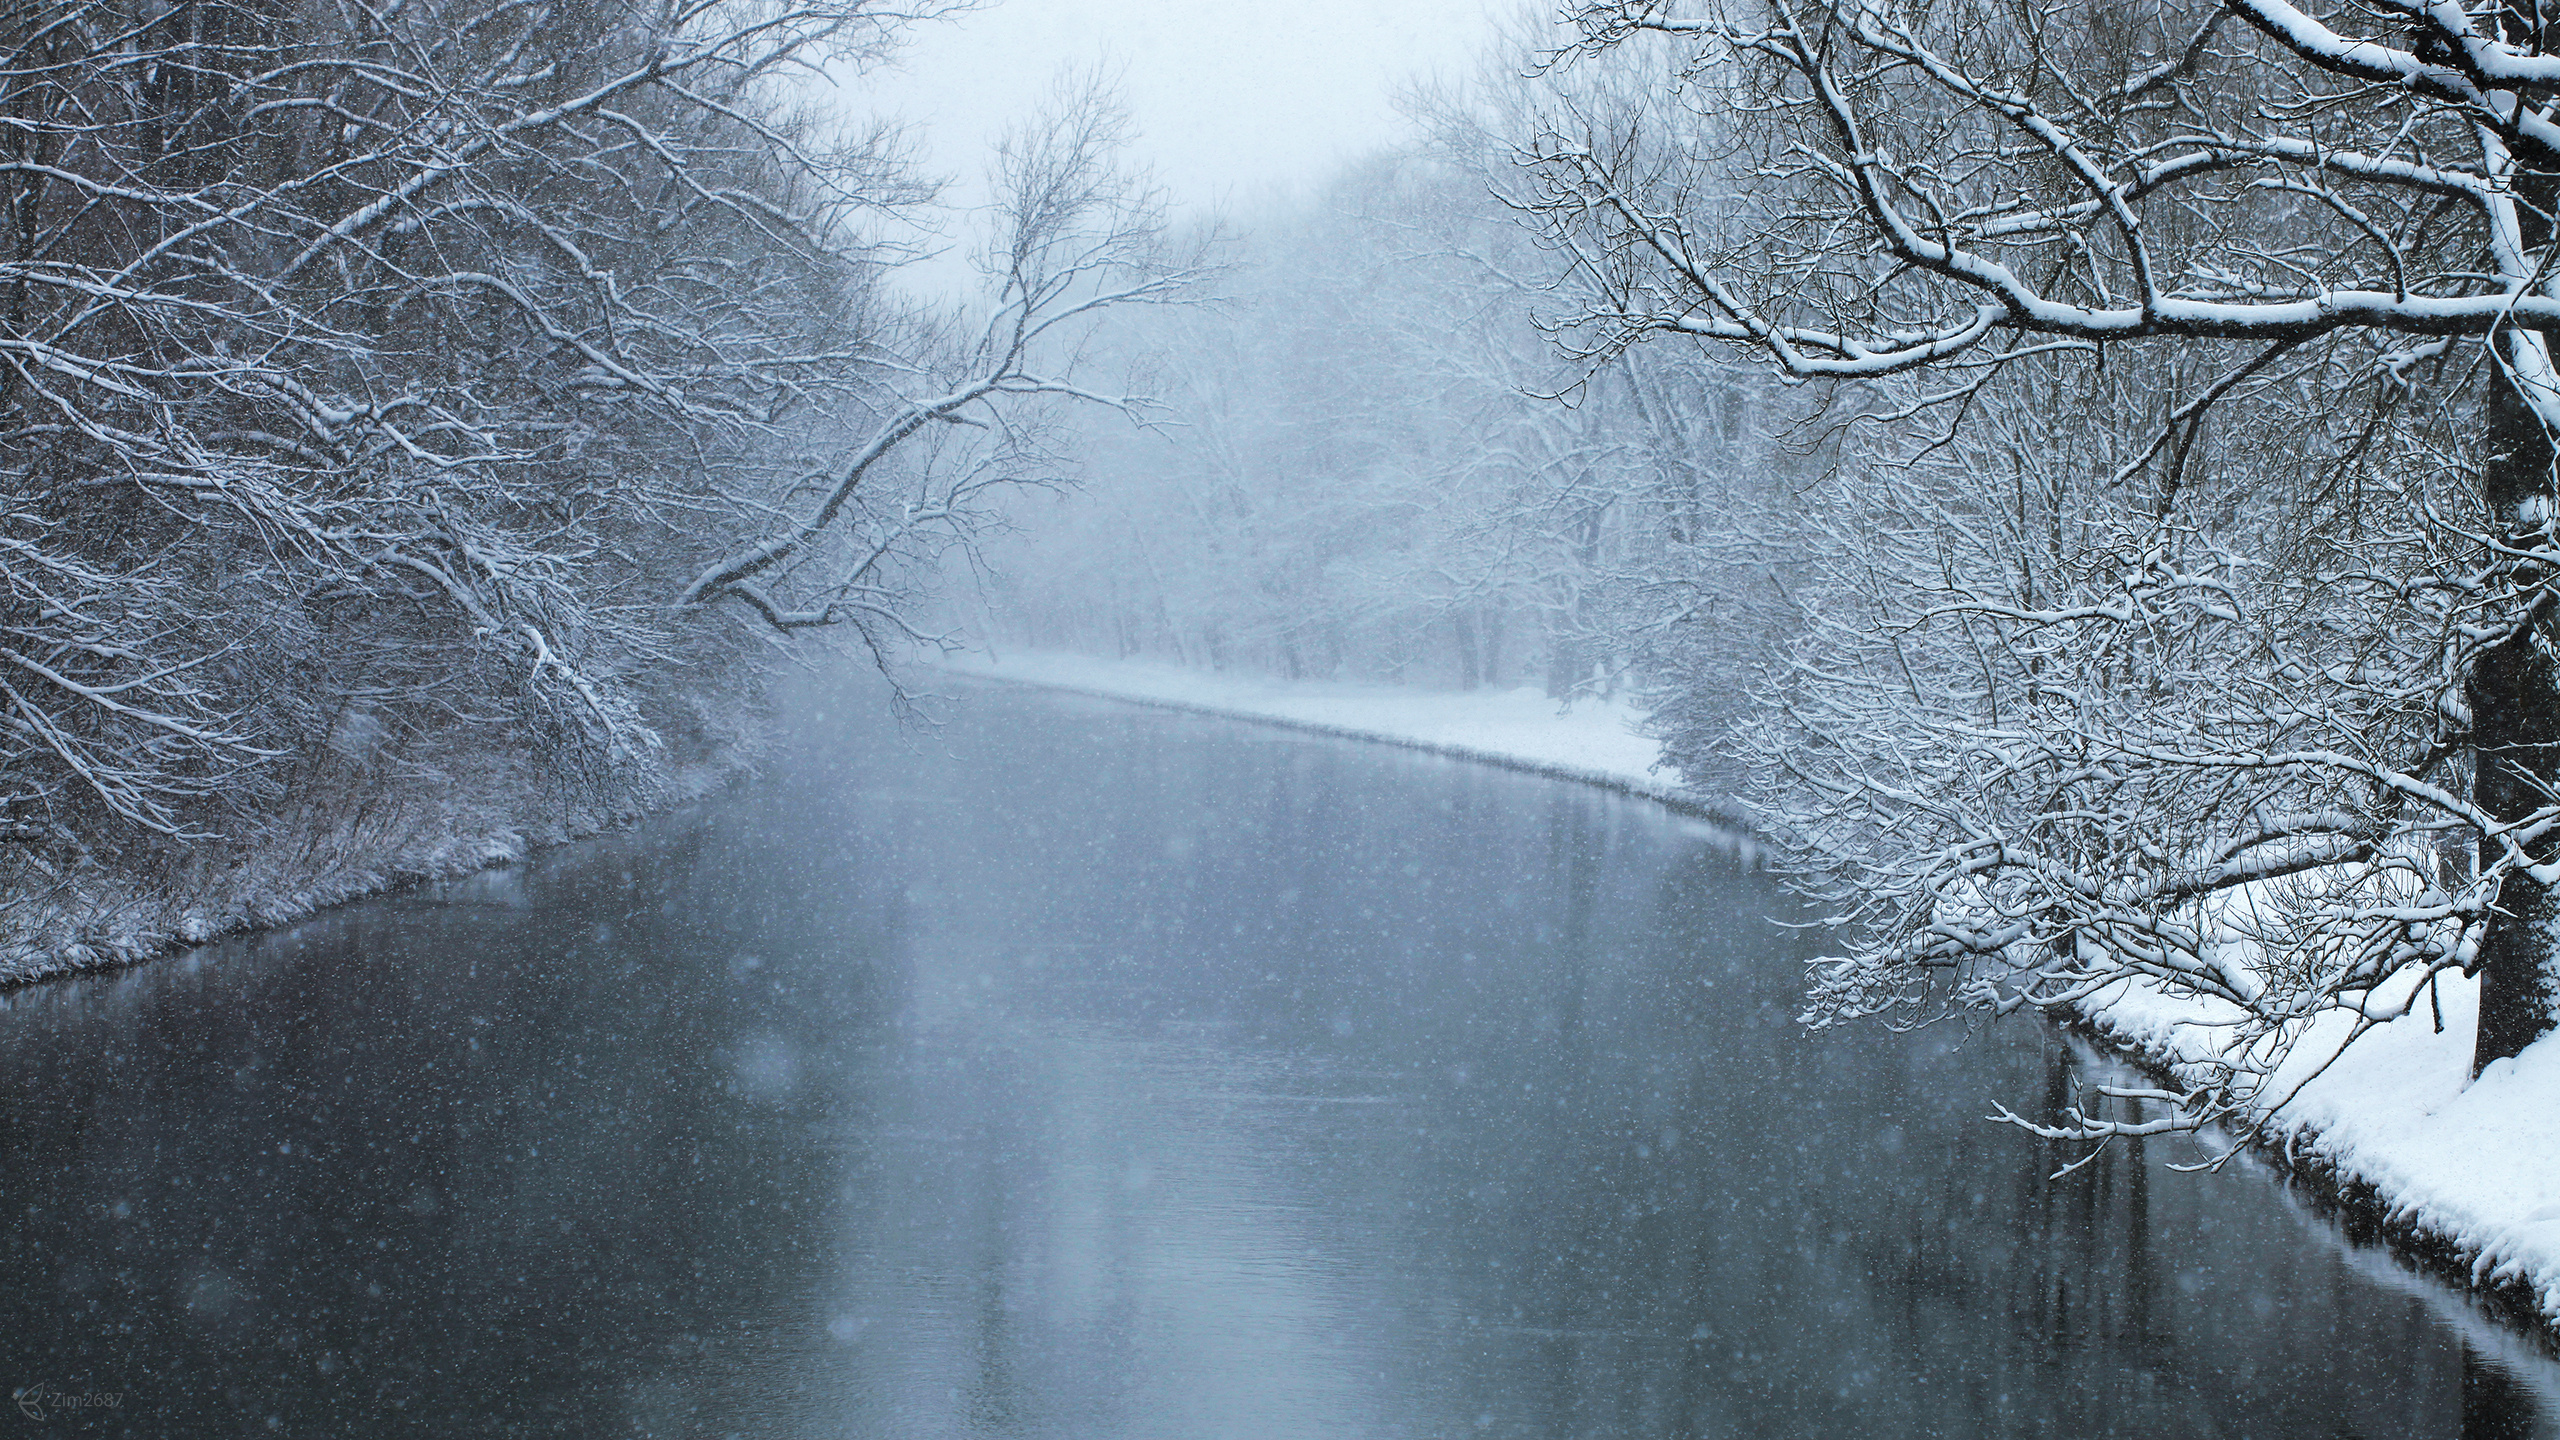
<point x="1077" y="238"/>
<point x="328" y="319"/>
<point x="391" y="383"/>
<point x="2340" y="225"/>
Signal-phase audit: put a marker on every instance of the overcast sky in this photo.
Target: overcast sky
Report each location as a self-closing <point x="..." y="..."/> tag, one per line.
<point x="1231" y="99"/>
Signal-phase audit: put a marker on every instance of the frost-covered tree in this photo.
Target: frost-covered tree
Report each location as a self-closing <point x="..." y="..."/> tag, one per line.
<point x="383" y="389"/>
<point x="1076" y="237"/>
<point x="363" y="364"/>
<point x="2088" y="704"/>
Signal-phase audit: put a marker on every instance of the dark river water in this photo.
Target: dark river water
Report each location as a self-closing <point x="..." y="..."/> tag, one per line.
<point x="1088" y="1071"/>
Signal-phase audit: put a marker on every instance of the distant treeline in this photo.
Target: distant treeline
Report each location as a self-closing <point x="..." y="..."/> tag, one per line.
<point x="1375" y="465"/>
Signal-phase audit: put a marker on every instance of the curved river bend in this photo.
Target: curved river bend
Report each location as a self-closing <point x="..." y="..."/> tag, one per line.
<point x="1088" y="1071"/>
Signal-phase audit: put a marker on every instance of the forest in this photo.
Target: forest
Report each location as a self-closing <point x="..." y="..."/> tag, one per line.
<point x="394" y="394"/>
<point x="2079" y="478"/>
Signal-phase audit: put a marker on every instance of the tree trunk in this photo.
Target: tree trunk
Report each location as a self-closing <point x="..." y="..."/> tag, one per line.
<point x="1564" y="666"/>
<point x="2514" y="694"/>
<point x="1468" y="668"/>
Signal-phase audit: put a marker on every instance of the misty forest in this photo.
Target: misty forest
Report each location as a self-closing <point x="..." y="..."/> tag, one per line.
<point x="1794" y="718"/>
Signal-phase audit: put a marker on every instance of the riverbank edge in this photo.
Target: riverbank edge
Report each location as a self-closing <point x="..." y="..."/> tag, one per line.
<point x="2362" y="1209"/>
<point x="98" y="943"/>
<point x="2358" y="1204"/>
<point x="1679" y="799"/>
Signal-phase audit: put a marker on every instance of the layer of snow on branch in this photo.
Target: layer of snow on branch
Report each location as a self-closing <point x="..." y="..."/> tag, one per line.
<point x="1593" y="740"/>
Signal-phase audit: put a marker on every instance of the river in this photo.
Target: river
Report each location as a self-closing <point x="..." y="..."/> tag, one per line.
<point x="1081" y="1070"/>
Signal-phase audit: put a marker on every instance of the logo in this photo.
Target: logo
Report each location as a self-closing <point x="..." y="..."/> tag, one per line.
<point x="42" y="1402"/>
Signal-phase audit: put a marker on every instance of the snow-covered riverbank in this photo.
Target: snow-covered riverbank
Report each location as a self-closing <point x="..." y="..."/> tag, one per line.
<point x="1594" y="742"/>
<point x="330" y="848"/>
<point x="2455" y="1168"/>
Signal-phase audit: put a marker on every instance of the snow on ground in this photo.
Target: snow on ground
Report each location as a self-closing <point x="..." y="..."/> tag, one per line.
<point x="1595" y="740"/>
<point x="2477" y="1165"/>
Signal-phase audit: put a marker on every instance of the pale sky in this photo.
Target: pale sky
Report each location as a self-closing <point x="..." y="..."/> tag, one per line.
<point x="1231" y="99"/>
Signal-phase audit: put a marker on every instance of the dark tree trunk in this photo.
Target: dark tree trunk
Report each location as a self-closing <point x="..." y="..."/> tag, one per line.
<point x="2515" y="716"/>
<point x="1470" y="668"/>
<point x="1493" y="646"/>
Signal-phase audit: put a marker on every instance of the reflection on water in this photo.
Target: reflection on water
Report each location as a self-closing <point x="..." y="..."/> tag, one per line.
<point x="1085" y="1072"/>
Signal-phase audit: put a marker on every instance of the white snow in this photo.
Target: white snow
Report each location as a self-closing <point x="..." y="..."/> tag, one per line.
<point x="2477" y="1164"/>
<point x="1593" y="740"/>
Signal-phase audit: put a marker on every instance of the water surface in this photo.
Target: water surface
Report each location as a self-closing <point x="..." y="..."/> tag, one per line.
<point x="1089" y="1071"/>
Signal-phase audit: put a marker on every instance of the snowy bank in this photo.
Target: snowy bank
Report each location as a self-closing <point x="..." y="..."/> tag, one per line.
<point x="2465" y="1175"/>
<point x="340" y="842"/>
<point x="301" y="867"/>
<point x="1595" y="741"/>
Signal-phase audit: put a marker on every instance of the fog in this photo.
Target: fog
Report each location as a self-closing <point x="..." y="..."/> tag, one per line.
<point x="1231" y="103"/>
<point x="2076" y="490"/>
<point x="1359" y="449"/>
<point x="1988" y="529"/>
